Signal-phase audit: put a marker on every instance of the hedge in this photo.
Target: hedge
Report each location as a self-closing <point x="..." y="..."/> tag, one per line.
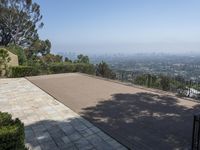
<point x="11" y="133"/>
<point x="22" y="71"/>
<point x="72" y="67"/>
<point x="85" y="68"/>
<point x="61" y="68"/>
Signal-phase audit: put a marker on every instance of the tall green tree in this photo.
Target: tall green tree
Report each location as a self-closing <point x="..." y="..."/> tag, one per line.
<point x="39" y="47"/>
<point x="149" y="80"/>
<point x="82" y="59"/>
<point x="68" y="60"/>
<point x="165" y="83"/>
<point x="19" y="22"/>
<point x="51" y="58"/>
<point x="140" y="80"/>
<point x="103" y="70"/>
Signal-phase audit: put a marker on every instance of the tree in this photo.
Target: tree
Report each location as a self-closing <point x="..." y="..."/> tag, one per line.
<point x="82" y="59"/>
<point x="19" y="22"/>
<point x="165" y="83"/>
<point x="149" y="80"/>
<point x="4" y="60"/>
<point x="103" y="70"/>
<point x="45" y="47"/>
<point x="51" y="58"/>
<point x="67" y="60"/>
<point x="189" y="88"/>
<point x="140" y="80"/>
<point x="39" y="47"/>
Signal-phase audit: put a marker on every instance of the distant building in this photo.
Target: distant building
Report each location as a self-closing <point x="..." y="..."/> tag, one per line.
<point x="192" y="92"/>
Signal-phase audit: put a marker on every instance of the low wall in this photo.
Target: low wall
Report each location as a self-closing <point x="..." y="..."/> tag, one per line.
<point x="14" y="59"/>
<point x="13" y="62"/>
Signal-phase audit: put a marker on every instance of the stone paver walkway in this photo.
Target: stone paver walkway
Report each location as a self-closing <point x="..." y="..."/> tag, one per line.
<point x="49" y="125"/>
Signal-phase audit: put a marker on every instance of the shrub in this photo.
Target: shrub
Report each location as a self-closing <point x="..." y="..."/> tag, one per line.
<point x="22" y="71"/>
<point x="72" y="67"/>
<point x="11" y="133"/>
<point x="61" y="68"/>
<point x="84" y="68"/>
<point x="165" y="83"/>
<point x="103" y="70"/>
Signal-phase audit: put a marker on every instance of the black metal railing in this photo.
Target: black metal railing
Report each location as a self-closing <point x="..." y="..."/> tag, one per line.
<point x="196" y="133"/>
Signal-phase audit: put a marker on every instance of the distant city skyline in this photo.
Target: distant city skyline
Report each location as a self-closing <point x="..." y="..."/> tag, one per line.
<point x="121" y="26"/>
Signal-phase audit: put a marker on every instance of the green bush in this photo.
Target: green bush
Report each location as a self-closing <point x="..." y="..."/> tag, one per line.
<point x="84" y="68"/>
<point x="103" y="70"/>
<point x="72" y="67"/>
<point x="22" y="71"/>
<point x="11" y="133"/>
<point x="61" y="68"/>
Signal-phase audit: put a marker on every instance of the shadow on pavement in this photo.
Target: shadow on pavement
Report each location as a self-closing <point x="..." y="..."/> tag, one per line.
<point x="145" y="120"/>
<point x="75" y="133"/>
<point x="55" y="135"/>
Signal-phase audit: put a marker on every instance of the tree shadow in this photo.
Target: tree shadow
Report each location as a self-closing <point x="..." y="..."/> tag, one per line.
<point x="57" y="135"/>
<point x="145" y="120"/>
<point x="71" y="133"/>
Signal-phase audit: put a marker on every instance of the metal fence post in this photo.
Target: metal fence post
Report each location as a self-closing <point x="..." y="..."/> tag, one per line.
<point x="196" y="133"/>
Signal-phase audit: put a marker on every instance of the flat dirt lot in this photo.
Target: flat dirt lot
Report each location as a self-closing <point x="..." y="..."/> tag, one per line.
<point x="138" y="118"/>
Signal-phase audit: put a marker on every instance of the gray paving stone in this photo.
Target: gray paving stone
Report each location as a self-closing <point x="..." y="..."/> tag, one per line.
<point x="37" y="148"/>
<point x="80" y="127"/>
<point x="43" y="137"/>
<point x="66" y="140"/>
<point x="56" y="133"/>
<point x="38" y="129"/>
<point x="50" y="145"/>
<point x="68" y="130"/>
<point x="86" y="132"/>
<point x="98" y="143"/>
<point x="95" y="129"/>
<point x="114" y="144"/>
<point x="61" y="144"/>
<point x="121" y="148"/>
<point x="29" y="134"/>
<point x="33" y="144"/>
<point x="104" y="136"/>
<point x="71" y="148"/>
<point x="83" y="144"/>
<point x="75" y="136"/>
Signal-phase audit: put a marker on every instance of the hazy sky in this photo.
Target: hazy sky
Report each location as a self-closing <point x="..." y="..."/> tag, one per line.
<point x="101" y="26"/>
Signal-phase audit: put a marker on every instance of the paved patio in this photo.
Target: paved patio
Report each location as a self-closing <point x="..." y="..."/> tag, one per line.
<point x="139" y="118"/>
<point x="49" y="125"/>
